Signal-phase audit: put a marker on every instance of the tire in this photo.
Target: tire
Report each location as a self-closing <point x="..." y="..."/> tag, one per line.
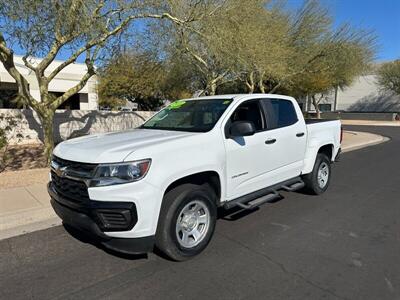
<point x="187" y="221"/>
<point x="316" y="184"/>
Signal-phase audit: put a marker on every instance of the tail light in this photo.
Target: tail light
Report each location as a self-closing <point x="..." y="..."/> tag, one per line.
<point x="341" y="134"/>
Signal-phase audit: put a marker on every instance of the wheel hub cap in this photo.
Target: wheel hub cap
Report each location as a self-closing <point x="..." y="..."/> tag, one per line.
<point x="323" y="175"/>
<point x="189" y="222"/>
<point x="192" y="224"/>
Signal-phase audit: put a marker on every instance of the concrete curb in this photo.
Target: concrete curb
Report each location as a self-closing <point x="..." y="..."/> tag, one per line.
<point x="370" y="140"/>
<point x="28" y="228"/>
<point x="370" y="123"/>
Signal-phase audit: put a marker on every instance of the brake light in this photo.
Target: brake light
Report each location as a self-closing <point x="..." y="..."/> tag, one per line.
<point x="341" y="134"/>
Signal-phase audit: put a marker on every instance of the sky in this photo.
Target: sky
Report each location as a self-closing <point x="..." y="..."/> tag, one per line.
<point x="382" y="16"/>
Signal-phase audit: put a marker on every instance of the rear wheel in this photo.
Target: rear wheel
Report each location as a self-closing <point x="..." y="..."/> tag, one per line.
<point x="317" y="181"/>
<point x="187" y="221"/>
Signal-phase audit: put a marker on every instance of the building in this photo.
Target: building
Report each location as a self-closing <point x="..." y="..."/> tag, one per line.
<point x="364" y="95"/>
<point x="86" y="99"/>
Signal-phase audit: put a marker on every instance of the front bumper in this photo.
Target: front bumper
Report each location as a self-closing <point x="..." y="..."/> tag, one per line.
<point x="94" y="218"/>
<point x="337" y="157"/>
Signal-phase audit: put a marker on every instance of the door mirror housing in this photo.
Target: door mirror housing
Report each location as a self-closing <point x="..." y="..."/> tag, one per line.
<point x="242" y="128"/>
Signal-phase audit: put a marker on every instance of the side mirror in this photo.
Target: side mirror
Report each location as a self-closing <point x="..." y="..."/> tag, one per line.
<point x="242" y="128"/>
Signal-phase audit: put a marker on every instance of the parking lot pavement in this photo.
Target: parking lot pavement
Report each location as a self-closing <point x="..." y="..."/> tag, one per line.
<point x="344" y="244"/>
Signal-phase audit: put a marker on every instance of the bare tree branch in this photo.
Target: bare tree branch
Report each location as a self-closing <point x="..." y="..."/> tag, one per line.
<point x="7" y="58"/>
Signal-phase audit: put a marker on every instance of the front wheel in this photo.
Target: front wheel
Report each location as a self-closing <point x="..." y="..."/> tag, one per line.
<point x="317" y="181"/>
<point x="187" y="221"/>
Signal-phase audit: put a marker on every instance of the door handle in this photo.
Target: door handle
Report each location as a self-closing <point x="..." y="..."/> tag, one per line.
<point x="270" y="141"/>
<point x="300" y="134"/>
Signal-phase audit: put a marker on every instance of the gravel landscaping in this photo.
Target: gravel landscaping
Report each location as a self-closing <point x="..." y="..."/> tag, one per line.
<point x="26" y="165"/>
<point x="25" y="157"/>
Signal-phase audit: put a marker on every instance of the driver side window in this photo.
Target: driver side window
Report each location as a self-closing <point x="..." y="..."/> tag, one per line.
<point x="249" y="111"/>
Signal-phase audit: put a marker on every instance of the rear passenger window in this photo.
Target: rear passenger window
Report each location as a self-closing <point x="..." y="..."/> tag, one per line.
<point x="280" y="113"/>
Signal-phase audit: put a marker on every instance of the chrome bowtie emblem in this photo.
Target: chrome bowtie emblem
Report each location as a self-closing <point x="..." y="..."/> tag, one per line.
<point x="60" y="171"/>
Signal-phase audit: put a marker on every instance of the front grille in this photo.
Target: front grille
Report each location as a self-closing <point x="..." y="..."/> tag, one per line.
<point x="73" y="190"/>
<point x="77" y="169"/>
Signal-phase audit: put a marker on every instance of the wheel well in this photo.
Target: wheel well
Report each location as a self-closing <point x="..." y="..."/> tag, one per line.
<point x="210" y="177"/>
<point x="327" y="150"/>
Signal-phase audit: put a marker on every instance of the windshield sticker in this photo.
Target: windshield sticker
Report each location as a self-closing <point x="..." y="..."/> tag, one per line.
<point x="177" y="104"/>
<point x="227" y="102"/>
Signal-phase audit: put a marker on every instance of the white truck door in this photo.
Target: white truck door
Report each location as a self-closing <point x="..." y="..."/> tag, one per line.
<point x="247" y="161"/>
<point x="288" y="131"/>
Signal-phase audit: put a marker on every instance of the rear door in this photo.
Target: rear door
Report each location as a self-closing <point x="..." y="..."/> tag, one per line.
<point x="289" y="138"/>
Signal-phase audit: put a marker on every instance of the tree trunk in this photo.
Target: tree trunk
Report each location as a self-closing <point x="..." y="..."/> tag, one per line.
<point x="315" y="104"/>
<point x="250" y="83"/>
<point x="273" y="90"/>
<point x="212" y="88"/>
<point x="47" y="121"/>
<point x="261" y="82"/>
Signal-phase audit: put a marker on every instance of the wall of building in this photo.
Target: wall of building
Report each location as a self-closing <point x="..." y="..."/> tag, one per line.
<point x="364" y="95"/>
<point x="69" y="124"/>
<point x="67" y="78"/>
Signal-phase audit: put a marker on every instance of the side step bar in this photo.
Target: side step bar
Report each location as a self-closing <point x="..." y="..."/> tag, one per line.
<point x="259" y="201"/>
<point x="265" y="195"/>
<point x="294" y="187"/>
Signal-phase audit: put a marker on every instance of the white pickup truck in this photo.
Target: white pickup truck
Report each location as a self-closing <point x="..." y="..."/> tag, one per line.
<point x="160" y="185"/>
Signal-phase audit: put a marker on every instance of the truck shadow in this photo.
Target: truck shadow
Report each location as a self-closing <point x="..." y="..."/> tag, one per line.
<point x="84" y="238"/>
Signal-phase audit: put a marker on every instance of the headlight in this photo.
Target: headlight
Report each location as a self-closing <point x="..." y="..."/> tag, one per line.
<point x="110" y="174"/>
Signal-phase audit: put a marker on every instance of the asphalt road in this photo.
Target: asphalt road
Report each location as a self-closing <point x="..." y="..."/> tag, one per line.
<point x="343" y="244"/>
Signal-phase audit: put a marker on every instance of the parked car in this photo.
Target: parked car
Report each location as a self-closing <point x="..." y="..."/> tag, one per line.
<point x="105" y="108"/>
<point x="161" y="184"/>
<point x="124" y="108"/>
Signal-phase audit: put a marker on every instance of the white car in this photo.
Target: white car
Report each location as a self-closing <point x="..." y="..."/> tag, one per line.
<point x="160" y="185"/>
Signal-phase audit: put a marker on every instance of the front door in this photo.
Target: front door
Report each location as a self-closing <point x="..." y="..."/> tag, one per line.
<point x="245" y="156"/>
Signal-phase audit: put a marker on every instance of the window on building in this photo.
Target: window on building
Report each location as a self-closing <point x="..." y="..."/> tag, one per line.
<point x="8" y="95"/>
<point x="280" y="113"/>
<point x="325" y="107"/>
<point x="72" y="103"/>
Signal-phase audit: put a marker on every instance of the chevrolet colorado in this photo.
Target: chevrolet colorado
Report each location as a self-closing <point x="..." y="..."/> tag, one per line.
<point x="160" y="185"/>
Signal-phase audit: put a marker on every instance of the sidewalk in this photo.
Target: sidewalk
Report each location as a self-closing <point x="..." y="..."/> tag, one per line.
<point x="25" y="205"/>
<point x="25" y="209"/>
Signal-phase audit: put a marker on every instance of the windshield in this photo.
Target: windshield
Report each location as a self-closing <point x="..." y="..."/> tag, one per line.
<point x="191" y="115"/>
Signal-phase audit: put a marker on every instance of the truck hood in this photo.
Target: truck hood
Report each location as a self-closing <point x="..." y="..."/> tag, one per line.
<point x="114" y="147"/>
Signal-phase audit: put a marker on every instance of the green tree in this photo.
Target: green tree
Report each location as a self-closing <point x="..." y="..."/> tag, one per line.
<point x="131" y="77"/>
<point x="80" y="28"/>
<point x="389" y="76"/>
<point x="336" y="69"/>
<point x="315" y="47"/>
<point x="262" y="44"/>
<point x="210" y="43"/>
<point x="143" y="78"/>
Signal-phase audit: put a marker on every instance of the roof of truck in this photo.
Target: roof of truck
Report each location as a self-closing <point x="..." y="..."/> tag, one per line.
<point x="239" y="96"/>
